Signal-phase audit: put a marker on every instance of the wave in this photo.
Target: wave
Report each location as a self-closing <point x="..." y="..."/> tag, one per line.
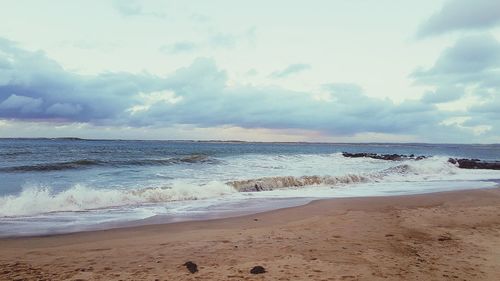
<point x="52" y="166"/>
<point x="14" y="153"/>
<point x="409" y="170"/>
<point x="420" y="170"/>
<point x="272" y="183"/>
<point x="85" y="163"/>
<point x="40" y="200"/>
<point x="191" y="159"/>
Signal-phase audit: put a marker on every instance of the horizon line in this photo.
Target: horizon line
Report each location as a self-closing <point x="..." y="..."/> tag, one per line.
<point x="231" y="141"/>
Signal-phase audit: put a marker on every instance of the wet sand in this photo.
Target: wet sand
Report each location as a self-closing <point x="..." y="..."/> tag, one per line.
<point x="439" y="236"/>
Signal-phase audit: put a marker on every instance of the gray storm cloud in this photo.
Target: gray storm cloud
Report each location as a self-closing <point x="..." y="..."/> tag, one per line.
<point x="472" y="59"/>
<point x="34" y="87"/>
<point x="462" y="15"/>
<point x="471" y="67"/>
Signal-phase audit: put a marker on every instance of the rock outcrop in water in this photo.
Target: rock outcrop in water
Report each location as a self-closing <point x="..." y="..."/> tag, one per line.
<point x="475" y="164"/>
<point x="391" y="157"/>
<point x="461" y="163"/>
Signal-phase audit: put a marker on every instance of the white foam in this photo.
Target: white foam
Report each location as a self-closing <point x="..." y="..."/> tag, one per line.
<point x="429" y="169"/>
<point x="435" y="169"/>
<point x="268" y="172"/>
<point x="38" y="199"/>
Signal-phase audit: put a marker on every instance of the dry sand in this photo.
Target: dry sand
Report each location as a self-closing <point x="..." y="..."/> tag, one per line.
<point x="440" y="236"/>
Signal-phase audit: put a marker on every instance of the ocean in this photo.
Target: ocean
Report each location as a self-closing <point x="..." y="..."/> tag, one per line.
<point x="64" y="185"/>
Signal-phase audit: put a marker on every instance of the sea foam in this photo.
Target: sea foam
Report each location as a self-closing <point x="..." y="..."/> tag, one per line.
<point x="34" y="200"/>
<point x="38" y="199"/>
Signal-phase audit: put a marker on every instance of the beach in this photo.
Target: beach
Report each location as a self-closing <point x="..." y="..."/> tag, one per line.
<point x="439" y="236"/>
<point x="250" y="140"/>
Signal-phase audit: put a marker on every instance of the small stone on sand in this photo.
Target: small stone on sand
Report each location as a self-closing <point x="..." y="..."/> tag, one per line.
<point x="191" y="266"/>
<point x="257" y="270"/>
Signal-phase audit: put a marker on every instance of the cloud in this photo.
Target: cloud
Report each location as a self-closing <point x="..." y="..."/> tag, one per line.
<point x="212" y="41"/>
<point x="469" y="73"/>
<point x="443" y="94"/>
<point x="343" y="89"/>
<point x="222" y="40"/>
<point x="180" y="47"/>
<point x="130" y="8"/>
<point x="462" y="15"/>
<point x="290" y="70"/>
<point x="207" y="102"/>
<point x="64" y="109"/>
<point x="470" y="58"/>
<point x="35" y="88"/>
<point x="22" y="104"/>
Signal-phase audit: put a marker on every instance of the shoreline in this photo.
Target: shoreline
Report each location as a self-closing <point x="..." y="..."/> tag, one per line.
<point x="425" y="236"/>
<point x="284" y="203"/>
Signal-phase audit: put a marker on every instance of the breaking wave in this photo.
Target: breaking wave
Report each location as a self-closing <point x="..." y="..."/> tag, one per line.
<point x="272" y="183"/>
<point x="409" y="170"/>
<point x="39" y="200"/>
<point x="433" y="166"/>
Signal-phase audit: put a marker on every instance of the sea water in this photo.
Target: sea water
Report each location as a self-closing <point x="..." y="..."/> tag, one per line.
<point x="64" y="185"/>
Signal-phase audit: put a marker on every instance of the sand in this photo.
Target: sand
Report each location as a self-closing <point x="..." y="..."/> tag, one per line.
<point x="440" y="236"/>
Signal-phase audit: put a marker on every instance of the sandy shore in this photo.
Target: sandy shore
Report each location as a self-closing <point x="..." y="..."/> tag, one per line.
<point x="440" y="236"/>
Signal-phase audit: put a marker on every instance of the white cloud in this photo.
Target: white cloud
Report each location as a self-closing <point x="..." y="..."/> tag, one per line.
<point x="153" y="98"/>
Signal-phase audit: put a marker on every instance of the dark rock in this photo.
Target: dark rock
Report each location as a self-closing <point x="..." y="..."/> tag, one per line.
<point x="191" y="266"/>
<point x="257" y="270"/>
<point x="475" y="164"/>
<point x="391" y="157"/>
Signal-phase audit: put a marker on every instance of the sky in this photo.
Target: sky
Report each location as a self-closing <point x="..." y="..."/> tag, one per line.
<point x="317" y="71"/>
